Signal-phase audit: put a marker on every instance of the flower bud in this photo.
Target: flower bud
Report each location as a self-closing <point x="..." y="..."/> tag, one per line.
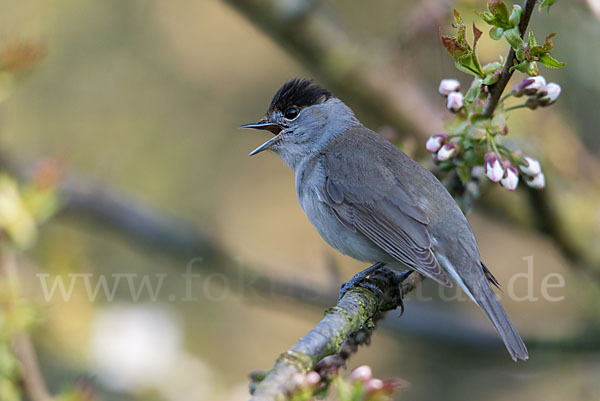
<point x="454" y="102"/>
<point x="447" y="151"/>
<point x="532" y="168"/>
<point x="435" y="142"/>
<point x="447" y="86"/>
<point x="539" y="181"/>
<point x="362" y="373"/>
<point x="549" y="95"/>
<point x="298" y="380"/>
<point x="312" y="378"/>
<point x="510" y="179"/>
<point x="517" y="89"/>
<point x="493" y="167"/>
<point x="532" y="102"/>
<point x="529" y="86"/>
<point x="374" y="385"/>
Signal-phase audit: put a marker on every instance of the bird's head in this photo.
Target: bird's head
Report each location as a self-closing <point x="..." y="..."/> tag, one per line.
<point x="302" y="115"/>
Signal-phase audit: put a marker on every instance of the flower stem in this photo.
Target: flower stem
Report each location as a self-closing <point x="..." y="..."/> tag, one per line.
<point x="492" y="143"/>
<point x="509" y="94"/>
<point x="519" y="106"/>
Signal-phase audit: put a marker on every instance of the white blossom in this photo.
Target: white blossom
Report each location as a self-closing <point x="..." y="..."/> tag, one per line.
<point x="454" y="102"/>
<point x="550" y="94"/>
<point x="447" y="151"/>
<point x="435" y="142"/>
<point x="447" y="86"/>
<point x="493" y="167"/>
<point x="532" y="168"/>
<point x="538" y="181"/>
<point x="510" y="179"/>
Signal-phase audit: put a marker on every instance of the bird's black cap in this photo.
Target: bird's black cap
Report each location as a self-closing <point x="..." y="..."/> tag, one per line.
<point x="300" y="93"/>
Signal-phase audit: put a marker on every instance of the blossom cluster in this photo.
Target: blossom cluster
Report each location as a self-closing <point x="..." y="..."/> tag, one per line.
<point x="360" y="384"/>
<point x="473" y="142"/>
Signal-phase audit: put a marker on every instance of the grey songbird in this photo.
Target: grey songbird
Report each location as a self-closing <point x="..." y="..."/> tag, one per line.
<point x="370" y="201"/>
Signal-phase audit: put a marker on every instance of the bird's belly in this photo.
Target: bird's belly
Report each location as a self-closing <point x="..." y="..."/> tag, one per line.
<point x="339" y="236"/>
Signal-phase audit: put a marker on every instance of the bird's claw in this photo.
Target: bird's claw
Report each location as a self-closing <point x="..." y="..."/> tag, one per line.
<point x="360" y="280"/>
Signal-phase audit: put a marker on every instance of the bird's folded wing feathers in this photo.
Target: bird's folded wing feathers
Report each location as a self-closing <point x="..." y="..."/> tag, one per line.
<point x="387" y="215"/>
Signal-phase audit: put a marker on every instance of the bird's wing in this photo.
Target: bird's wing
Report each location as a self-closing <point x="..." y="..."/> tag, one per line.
<point x="366" y="197"/>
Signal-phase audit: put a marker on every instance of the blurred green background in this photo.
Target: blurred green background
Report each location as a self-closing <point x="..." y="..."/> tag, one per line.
<point x="144" y="97"/>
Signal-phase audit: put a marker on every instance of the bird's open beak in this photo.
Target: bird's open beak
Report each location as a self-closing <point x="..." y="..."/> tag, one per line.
<point x="267" y="126"/>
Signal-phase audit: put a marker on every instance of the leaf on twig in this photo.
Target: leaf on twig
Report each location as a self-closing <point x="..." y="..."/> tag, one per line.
<point x="547" y="4"/>
<point x="463" y="54"/>
<point x="541" y="53"/>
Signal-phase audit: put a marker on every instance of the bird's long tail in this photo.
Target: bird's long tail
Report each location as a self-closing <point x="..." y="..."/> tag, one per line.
<point x="488" y="301"/>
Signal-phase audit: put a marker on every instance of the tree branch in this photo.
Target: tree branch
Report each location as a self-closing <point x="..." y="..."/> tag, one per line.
<point x="496" y="90"/>
<point x="352" y="313"/>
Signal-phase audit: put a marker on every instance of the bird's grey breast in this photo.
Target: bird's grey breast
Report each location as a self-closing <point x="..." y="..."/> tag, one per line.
<point x="310" y="185"/>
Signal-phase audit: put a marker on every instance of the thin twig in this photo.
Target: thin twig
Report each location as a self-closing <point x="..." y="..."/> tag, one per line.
<point x="496" y="90"/>
<point x="31" y="376"/>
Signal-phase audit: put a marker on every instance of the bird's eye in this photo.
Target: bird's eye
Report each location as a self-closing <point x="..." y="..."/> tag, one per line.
<point x="291" y="113"/>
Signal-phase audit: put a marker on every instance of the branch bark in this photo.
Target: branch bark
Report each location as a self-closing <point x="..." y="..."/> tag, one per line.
<point x="352" y="313"/>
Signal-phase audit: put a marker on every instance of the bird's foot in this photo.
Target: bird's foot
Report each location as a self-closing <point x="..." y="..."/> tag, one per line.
<point x="383" y="282"/>
<point x="360" y="280"/>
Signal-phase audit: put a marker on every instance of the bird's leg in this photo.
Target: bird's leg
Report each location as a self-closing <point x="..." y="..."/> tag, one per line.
<point x="398" y="279"/>
<point x="360" y="280"/>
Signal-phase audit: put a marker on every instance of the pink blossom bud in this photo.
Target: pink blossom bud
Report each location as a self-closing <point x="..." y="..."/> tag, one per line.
<point x="447" y="86"/>
<point x="435" y="142"/>
<point x="538" y="181"/>
<point x="549" y="94"/>
<point x="312" y="378"/>
<point x="454" y="102"/>
<point x="510" y="179"/>
<point x="532" y="168"/>
<point x="529" y="86"/>
<point x="493" y="167"/>
<point x="298" y="380"/>
<point x="518" y="88"/>
<point x="374" y="385"/>
<point x="362" y="373"/>
<point x="447" y="151"/>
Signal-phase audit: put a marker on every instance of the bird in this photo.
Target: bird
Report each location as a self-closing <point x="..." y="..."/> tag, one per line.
<point x="372" y="202"/>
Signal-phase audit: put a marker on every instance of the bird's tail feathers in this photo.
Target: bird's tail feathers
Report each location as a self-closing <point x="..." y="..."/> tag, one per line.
<point x="487" y="300"/>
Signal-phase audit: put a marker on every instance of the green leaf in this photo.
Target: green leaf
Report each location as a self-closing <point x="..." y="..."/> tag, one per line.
<point x="496" y="33"/>
<point x="541" y="53"/>
<point x="522" y="66"/>
<point x="546" y="48"/>
<point x="515" y="15"/>
<point x="550" y="61"/>
<point x="492" y="67"/>
<point x="532" y="69"/>
<point x="548" y="4"/>
<point x="458" y="47"/>
<point x="531" y="42"/>
<point x="513" y="38"/>
<point x="474" y="91"/>
<point x="491" y="79"/>
<point x="500" y="12"/>
<point x="464" y="173"/>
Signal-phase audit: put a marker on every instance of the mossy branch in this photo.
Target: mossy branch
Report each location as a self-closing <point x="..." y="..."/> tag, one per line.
<point x="355" y="311"/>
